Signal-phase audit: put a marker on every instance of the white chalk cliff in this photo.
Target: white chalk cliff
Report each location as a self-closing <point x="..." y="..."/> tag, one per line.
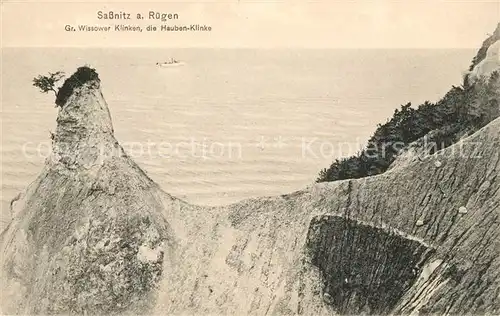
<point x="487" y="60"/>
<point x="93" y="234"/>
<point x="489" y="64"/>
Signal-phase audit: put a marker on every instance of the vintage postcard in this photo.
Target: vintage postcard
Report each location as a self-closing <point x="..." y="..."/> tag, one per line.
<point x="248" y="157"/>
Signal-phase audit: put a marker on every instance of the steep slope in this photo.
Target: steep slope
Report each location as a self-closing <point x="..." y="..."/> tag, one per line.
<point x="462" y="111"/>
<point x="79" y="229"/>
<point x="94" y="235"/>
<point x="490" y="63"/>
<point x="400" y="242"/>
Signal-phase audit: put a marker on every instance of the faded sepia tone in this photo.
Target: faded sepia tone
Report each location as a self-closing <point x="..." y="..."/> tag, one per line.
<point x="299" y="24"/>
<point x="273" y="158"/>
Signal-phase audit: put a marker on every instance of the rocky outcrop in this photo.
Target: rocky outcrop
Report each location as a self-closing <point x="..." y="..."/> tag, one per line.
<point x="93" y="234"/>
<point x="487" y="60"/>
<point x="88" y="235"/>
<point x="482" y="53"/>
<point x="488" y="65"/>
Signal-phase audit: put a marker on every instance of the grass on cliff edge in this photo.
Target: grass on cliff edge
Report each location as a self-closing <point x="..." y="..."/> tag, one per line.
<point x="82" y="75"/>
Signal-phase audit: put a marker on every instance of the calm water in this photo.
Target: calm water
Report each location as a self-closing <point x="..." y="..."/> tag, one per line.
<point x="229" y="124"/>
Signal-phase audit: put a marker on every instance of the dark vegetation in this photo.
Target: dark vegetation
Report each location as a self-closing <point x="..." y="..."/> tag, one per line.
<point x="82" y="75"/>
<point x="47" y="83"/>
<point x="430" y="126"/>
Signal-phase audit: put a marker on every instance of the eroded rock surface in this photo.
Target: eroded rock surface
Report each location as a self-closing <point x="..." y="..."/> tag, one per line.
<point x="73" y="244"/>
<point x="365" y="269"/>
<point x="93" y="234"/>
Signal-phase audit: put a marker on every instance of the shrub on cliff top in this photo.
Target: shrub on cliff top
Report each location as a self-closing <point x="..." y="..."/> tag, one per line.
<point x="79" y="78"/>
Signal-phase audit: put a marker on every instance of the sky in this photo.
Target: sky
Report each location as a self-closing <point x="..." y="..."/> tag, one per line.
<point x="270" y="24"/>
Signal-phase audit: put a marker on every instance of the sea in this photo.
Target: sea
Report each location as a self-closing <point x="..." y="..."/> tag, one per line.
<point x="225" y="124"/>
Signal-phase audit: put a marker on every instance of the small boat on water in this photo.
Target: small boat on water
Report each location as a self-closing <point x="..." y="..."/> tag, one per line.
<point x="171" y="63"/>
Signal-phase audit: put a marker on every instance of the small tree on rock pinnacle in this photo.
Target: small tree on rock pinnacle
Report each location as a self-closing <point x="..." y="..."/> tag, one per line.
<point x="47" y="83"/>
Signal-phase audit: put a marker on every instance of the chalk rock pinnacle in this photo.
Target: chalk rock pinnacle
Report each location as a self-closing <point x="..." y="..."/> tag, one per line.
<point x="84" y="135"/>
<point x="88" y="235"/>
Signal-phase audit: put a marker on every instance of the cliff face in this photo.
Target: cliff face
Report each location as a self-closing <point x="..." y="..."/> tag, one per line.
<point x="487" y="60"/>
<point x="451" y="202"/>
<point x="88" y="235"/>
<point x="482" y="53"/>
<point x="422" y="238"/>
<point x="94" y="235"/>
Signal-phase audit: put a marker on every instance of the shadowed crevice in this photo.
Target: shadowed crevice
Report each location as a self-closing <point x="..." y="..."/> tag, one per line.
<point x="365" y="269"/>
